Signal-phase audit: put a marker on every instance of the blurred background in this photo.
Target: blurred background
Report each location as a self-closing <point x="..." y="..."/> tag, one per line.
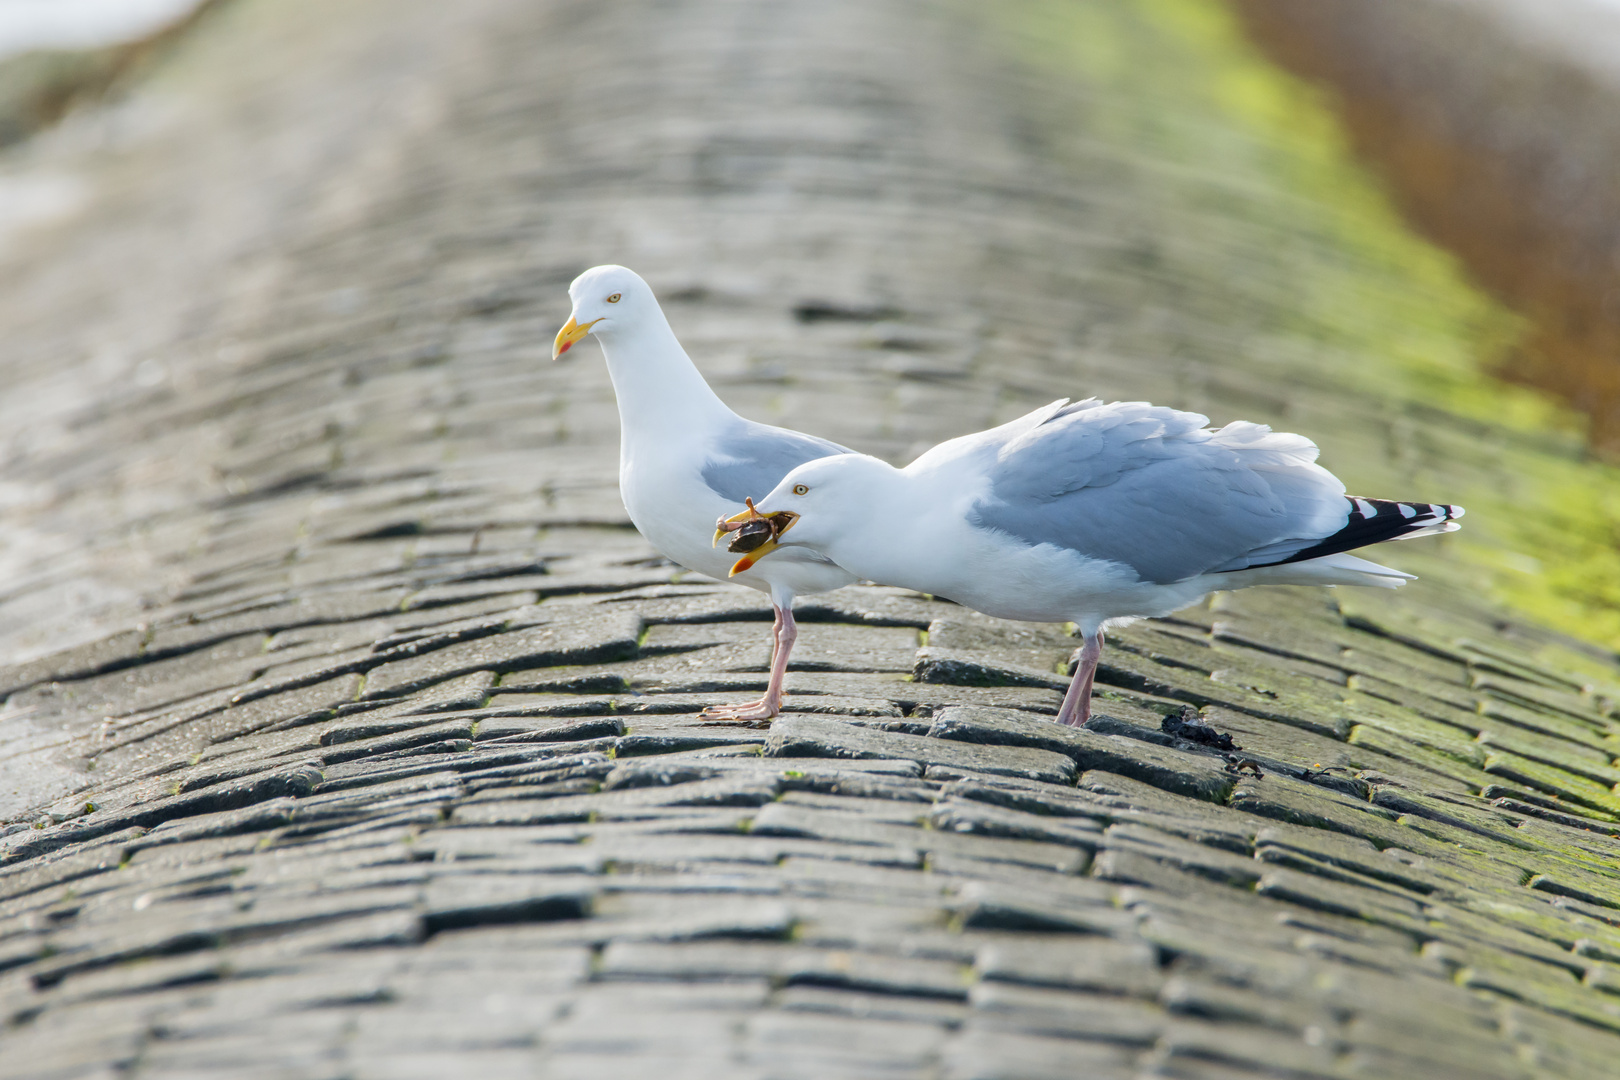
<point x="318" y="604"/>
<point x="1390" y="224"/>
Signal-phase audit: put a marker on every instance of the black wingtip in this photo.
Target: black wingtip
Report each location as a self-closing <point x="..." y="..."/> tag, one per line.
<point x="1375" y="521"/>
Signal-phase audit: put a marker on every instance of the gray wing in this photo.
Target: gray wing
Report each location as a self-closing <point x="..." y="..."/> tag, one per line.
<point x="1154" y="489"/>
<point x="750" y="459"/>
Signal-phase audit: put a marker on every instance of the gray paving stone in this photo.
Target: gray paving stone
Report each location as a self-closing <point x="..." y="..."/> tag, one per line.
<point x="1029" y="796"/>
<point x="200" y="925"/>
<point x="1050" y="907"/>
<point x="1127" y="842"/>
<point x="377" y="740"/>
<point x="787" y="965"/>
<point x="780" y="819"/>
<point x="1374" y="905"/>
<point x="822" y="1046"/>
<point x="1321" y="855"/>
<point x="1198" y="775"/>
<point x="806" y="737"/>
<point x="962" y="668"/>
<point x="988" y="1054"/>
<point x="292" y="709"/>
<point x="967" y="816"/>
<point x="1097" y="965"/>
<point x="1066" y="1014"/>
<point x="945" y="1012"/>
<point x="452" y="903"/>
<point x="1192" y="1043"/>
<point x="1122" y="799"/>
<point x="724" y="791"/>
<point x="639" y="741"/>
<point x="1290" y="801"/>
<point x="579" y="638"/>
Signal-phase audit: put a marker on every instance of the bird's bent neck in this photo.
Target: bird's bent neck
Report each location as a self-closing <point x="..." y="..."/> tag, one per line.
<point x="660" y="393"/>
<point x="885" y="516"/>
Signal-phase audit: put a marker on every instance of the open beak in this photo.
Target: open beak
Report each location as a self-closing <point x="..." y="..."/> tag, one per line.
<point x="726" y="526"/>
<point x="568" y="335"/>
<point x="747" y="561"/>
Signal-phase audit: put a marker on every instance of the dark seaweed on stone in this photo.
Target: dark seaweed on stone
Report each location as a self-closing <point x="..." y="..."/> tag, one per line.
<point x="1188" y="726"/>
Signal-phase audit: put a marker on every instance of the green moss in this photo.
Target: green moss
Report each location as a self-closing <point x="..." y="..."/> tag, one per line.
<point x="1252" y="220"/>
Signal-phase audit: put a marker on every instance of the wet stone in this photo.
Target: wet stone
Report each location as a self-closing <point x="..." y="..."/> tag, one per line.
<point x="1199" y="776"/>
<point x="367" y="740"/>
<point x="85" y="660"/>
<point x="581" y="639"/>
<point x="463" y="692"/>
<point x="950" y="667"/>
<point x="988" y="905"/>
<point x="451" y="903"/>
<point x="1061" y="1013"/>
<point x="1028" y="796"/>
<point x="638" y="742"/>
<point x="511" y="708"/>
<point x="1291" y="801"/>
<point x="985" y="1053"/>
<point x="969" y="816"/>
<point x="1098" y="965"/>
<point x="831" y="1000"/>
<point x="292" y="709"/>
<point x="786" y="819"/>
<point x="1127" y="840"/>
<point x="788" y="965"/>
<point x="517" y="730"/>
<point x="724" y="791"/>
<point x="806" y="737"/>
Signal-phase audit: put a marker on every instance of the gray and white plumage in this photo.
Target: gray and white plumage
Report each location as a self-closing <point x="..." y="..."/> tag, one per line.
<point x="1095" y="513"/>
<point x="1198" y="501"/>
<point x="746" y="458"/>
<point x="685" y="459"/>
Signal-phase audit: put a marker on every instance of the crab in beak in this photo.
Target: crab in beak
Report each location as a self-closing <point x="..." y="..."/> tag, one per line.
<point x="757" y="534"/>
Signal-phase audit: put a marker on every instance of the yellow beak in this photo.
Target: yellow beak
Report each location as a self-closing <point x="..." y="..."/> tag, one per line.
<point x="747" y="561"/>
<point x="720" y="530"/>
<point x="569" y="335"/>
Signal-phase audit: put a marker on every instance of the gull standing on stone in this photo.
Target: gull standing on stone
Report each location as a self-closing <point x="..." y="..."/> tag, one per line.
<point x="1092" y="514"/>
<point x="685" y="459"/>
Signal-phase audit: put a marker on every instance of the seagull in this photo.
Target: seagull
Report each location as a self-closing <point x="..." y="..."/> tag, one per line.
<point x="685" y="459"/>
<point x="1091" y="513"/>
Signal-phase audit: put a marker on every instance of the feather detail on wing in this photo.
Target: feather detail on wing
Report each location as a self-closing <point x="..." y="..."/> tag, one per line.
<point x="1156" y="490"/>
<point x="1369" y="521"/>
<point x="749" y="459"/>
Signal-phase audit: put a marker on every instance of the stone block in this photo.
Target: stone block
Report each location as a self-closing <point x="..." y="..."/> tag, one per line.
<point x="808" y="737"/>
<point x="1093" y="964"/>
<point x="580" y="638"/>
<point x="1200" y="776"/>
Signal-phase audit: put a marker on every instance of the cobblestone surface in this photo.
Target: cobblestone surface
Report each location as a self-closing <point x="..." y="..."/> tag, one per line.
<point x="381" y="759"/>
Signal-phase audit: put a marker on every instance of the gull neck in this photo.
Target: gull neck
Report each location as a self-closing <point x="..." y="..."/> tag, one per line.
<point x="884" y="511"/>
<point x="659" y="389"/>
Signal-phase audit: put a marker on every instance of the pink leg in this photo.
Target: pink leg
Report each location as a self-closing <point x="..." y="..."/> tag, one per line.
<point x="783" y="634"/>
<point x="787" y="632"/>
<point x="1076" y="708"/>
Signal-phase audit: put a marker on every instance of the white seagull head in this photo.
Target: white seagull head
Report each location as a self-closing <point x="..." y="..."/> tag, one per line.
<point x="831" y="501"/>
<point x="607" y="299"/>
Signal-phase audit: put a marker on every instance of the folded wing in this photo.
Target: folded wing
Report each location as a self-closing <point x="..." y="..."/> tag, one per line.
<point x="1154" y="489"/>
<point x="749" y="459"/>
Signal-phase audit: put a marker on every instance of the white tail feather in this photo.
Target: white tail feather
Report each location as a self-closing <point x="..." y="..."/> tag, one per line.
<point x="1340" y="569"/>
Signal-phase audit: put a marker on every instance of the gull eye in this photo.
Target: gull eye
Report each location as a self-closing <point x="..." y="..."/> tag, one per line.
<point x="614" y="299"/>
<point x="800" y="489"/>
